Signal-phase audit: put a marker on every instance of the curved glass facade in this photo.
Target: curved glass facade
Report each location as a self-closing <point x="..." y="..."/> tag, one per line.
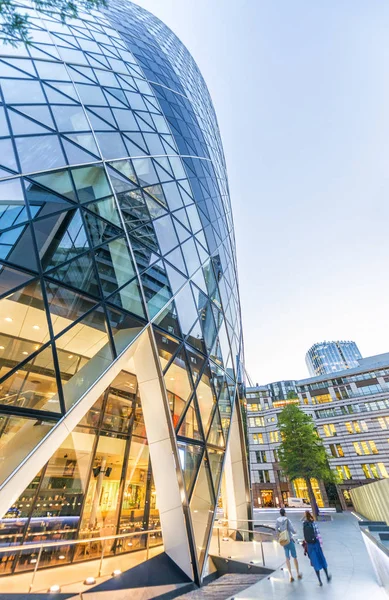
<point x="114" y="218"/>
<point x="329" y="357"/>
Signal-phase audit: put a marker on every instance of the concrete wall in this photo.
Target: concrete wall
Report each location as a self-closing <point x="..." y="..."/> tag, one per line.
<point x="372" y="500"/>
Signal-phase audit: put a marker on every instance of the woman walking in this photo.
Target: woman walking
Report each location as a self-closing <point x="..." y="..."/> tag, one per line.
<point x="312" y="546"/>
<point x="285" y="529"/>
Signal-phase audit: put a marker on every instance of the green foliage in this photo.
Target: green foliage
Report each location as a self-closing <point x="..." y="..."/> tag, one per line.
<point x="15" y="21"/>
<point x="291" y="395"/>
<point x="301" y="453"/>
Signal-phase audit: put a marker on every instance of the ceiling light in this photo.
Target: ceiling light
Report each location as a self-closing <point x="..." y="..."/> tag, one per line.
<point x="25" y="353"/>
<point x="70" y="356"/>
<point x="33" y="561"/>
<point x="8" y="319"/>
<point x="54" y="589"/>
<point x="116" y="572"/>
<point x="35" y="327"/>
<point x="1" y="347"/>
<point x="61" y="557"/>
<point x="90" y="581"/>
<point x="171" y="378"/>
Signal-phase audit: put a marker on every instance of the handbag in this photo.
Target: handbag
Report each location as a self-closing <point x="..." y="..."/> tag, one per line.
<point x="284" y="537"/>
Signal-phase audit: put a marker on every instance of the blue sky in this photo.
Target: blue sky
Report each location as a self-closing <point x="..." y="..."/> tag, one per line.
<point x="301" y="91"/>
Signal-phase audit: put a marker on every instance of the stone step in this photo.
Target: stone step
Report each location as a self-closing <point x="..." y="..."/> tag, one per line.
<point x="223" y="587"/>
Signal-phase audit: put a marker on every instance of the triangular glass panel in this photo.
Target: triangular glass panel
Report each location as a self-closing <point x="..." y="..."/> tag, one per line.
<point x="202" y="506"/>
<point x="196" y="337"/>
<point x="145" y="235"/>
<point x="97" y="123"/>
<point x="65" y="306"/>
<point x="129" y="298"/>
<point x="173" y="195"/>
<point x="156" y="288"/>
<point x="215" y="435"/>
<point x="11" y="279"/>
<point x="134" y="144"/>
<point x="216" y="353"/>
<point x="79" y="274"/>
<point x="215" y="458"/>
<point x="13" y="210"/>
<point x="190" y="457"/>
<point x="57" y="181"/>
<point x="133" y="208"/>
<point x="155" y="209"/>
<point x="166" y="234"/>
<point x="85" y="140"/>
<point x="145" y="171"/>
<point x="167" y="346"/>
<point x="43" y="202"/>
<point x="119" y="182"/>
<point x="168" y="320"/>
<point x="144" y="256"/>
<point x="155" y="191"/>
<point x="206" y="398"/>
<point x="125" y="328"/>
<point x="91" y="183"/>
<point x="23" y="125"/>
<point x="17" y="247"/>
<point x="196" y="362"/>
<point x="186" y="309"/>
<point x="114" y="265"/>
<point x="7" y="155"/>
<point x="178" y="382"/>
<point x="125" y="168"/>
<point x="33" y="386"/>
<point x="176" y="279"/>
<point x="106" y="209"/>
<point x="67" y="238"/>
<point x="75" y="154"/>
<point x="100" y="231"/>
<point x="104" y="113"/>
<point x="177" y="260"/>
<point x="183" y="234"/>
<point x="61" y="93"/>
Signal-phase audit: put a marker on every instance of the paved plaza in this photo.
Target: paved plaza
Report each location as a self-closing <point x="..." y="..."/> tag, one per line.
<point x="352" y="573"/>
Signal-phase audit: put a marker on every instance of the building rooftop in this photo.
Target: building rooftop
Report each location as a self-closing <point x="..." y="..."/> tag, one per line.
<point x="365" y="364"/>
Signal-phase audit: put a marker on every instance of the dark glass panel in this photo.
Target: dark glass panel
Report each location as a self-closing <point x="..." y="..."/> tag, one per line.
<point x="196" y="338"/>
<point x="190" y="458"/>
<point x="10" y="279"/>
<point x="12" y="207"/>
<point x="106" y="209"/>
<point x="189" y="426"/>
<point x="215" y="458"/>
<point x="17" y="247"/>
<point x="80" y="274"/>
<point x="60" y="238"/>
<point x="124" y="327"/>
<point x="133" y="208"/>
<point x="43" y="202"/>
<point x="100" y="231"/>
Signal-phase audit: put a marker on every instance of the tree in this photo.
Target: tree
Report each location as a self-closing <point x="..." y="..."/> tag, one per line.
<point x="291" y="395"/>
<point x="302" y="453"/>
<point x="15" y="22"/>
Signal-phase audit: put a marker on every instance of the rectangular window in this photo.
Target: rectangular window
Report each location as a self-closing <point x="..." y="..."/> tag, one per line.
<point x="274" y="436"/>
<point x="261" y="477"/>
<point x="336" y="450"/>
<point x="260" y="456"/>
<point x="322" y="399"/>
<point x="375" y="471"/>
<point x="356" y="426"/>
<point x="329" y="430"/>
<point x="383" y="422"/>
<point x="344" y="472"/>
<point x="253" y="407"/>
<point x="257" y="438"/>
<point x="276" y="455"/>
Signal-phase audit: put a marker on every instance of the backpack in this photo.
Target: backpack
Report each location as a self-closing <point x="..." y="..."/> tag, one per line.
<point x="309" y="532"/>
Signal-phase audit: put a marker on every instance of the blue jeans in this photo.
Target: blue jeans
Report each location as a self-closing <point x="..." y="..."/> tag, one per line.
<point x="290" y="550"/>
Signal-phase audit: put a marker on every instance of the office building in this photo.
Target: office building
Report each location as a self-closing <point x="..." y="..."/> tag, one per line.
<point x="120" y="328"/>
<point x="350" y="410"/>
<point x="331" y="357"/>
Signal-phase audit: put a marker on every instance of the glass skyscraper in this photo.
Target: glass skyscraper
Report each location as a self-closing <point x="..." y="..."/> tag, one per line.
<point x="330" y="357"/>
<point x="120" y="327"/>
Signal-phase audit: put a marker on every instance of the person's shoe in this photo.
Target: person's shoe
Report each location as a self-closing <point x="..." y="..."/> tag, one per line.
<point x="329" y="578"/>
<point x="291" y="579"/>
<point x="320" y="583"/>
<point x="300" y="576"/>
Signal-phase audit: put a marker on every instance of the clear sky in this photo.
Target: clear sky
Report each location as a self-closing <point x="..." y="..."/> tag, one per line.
<point x="301" y="91"/>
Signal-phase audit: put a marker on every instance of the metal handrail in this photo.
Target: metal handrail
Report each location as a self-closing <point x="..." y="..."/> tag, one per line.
<point x="242" y="531"/>
<point x="43" y="545"/>
<point x="83" y="541"/>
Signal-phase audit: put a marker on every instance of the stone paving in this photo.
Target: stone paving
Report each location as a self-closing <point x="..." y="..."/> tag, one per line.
<point x="352" y="573"/>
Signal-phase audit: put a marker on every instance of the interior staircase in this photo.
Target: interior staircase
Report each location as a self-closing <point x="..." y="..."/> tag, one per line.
<point x="224" y="587"/>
